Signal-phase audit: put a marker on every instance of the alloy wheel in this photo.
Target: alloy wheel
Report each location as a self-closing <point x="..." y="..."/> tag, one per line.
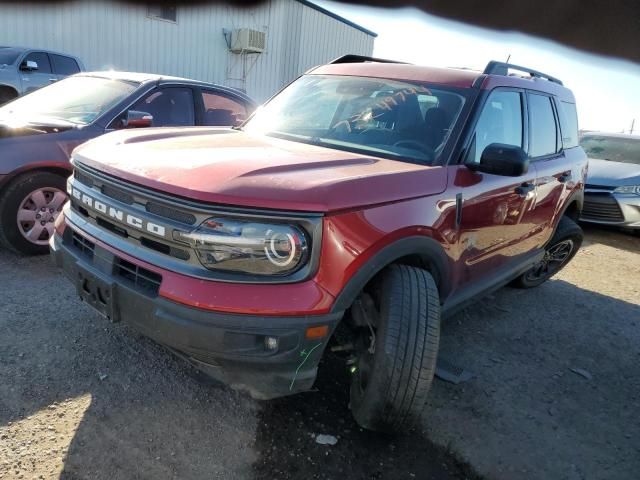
<point x="554" y="259"/>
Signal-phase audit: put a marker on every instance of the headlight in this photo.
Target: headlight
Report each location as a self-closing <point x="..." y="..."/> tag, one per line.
<point x="246" y="246"/>
<point x="628" y="189"/>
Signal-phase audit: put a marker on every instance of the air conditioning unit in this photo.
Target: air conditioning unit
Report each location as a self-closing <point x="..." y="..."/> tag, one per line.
<point x="245" y="40"/>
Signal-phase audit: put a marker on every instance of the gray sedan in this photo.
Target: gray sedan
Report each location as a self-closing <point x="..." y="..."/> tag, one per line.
<point x="612" y="193"/>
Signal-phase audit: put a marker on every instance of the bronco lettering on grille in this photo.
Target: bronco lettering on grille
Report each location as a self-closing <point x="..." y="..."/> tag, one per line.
<point x="117" y="214"/>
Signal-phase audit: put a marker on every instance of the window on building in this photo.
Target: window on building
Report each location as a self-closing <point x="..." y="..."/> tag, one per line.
<point x="221" y="110"/>
<point x="42" y="59"/>
<point x="64" y="65"/>
<point x="543" y="126"/>
<point x="499" y="122"/>
<point x="166" y="11"/>
<point x="170" y="107"/>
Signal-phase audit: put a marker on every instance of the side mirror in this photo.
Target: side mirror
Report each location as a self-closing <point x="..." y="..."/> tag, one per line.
<point x="136" y="119"/>
<point x="29" y="66"/>
<point x="501" y="159"/>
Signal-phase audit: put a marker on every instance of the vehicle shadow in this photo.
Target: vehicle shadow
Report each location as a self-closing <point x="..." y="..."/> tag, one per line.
<point x="555" y="388"/>
<point x="83" y="398"/>
<point x="520" y="345"/>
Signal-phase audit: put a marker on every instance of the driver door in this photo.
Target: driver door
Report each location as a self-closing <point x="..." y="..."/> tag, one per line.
<point x="497" y="211"/>
<point x="34" y="79"/>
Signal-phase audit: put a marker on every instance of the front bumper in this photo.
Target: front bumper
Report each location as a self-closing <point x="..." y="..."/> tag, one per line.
<point x="608" y="208"/>
<point x="229" y="347"/>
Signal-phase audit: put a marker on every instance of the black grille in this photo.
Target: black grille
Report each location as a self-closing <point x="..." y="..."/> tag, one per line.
<point x="171" y="213"/>
<point x="139" y="277"/>
<point x="117" y="194"/>
<point x="601" y="207"/>
<point x="82" y="178"/>
<point x="86" y="247"/>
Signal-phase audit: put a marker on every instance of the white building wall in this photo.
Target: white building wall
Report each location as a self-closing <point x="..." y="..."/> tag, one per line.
<point x="107" y="34"/>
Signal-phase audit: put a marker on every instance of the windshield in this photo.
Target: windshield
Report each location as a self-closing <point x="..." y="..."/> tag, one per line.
<point x="8" y="55"/>
<point x="404" y="121"/>
<point x="78" y="100"/>
<point x="615" y="149"/>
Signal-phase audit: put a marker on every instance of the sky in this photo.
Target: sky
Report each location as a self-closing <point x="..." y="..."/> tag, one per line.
<point x="607" y="90"/>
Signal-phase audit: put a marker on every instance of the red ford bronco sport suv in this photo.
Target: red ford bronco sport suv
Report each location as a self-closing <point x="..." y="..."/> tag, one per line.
<point x="377" y="194"/>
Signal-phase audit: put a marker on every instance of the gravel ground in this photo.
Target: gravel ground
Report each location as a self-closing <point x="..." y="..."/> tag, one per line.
<point x="83" y="398"/>
<point x="557" y="387"/>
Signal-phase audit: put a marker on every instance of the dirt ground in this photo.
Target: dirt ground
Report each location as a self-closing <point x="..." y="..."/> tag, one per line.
<point x="81" y="398"/>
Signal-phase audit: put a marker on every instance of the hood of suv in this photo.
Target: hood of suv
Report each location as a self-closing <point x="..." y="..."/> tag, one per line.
<point x="607" y="173"/>
<point x="230" y="167"/>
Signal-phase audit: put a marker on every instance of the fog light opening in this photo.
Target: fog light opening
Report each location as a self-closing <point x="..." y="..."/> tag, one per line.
<point x="271" y="343"/>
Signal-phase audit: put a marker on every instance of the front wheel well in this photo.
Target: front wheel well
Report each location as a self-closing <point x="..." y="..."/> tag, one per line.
<point x="55" y="170"/>
<point x="7" y="93"/>
<point x="416" y="251"/>
<point x="572" y="211"/>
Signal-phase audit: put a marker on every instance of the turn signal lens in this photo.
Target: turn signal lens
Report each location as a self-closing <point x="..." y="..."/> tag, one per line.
<point x="249" y="247"/>
<point x="317" y="332"/>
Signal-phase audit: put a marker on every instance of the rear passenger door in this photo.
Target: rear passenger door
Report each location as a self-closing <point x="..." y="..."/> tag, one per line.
<point x="220" y="109"/>
<point x="63" y="66"/>
<point x="34" y="79"/>
<point x="552" y="165"/>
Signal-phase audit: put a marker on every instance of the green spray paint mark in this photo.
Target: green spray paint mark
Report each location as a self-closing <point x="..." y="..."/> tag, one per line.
<point x="306" y="355"/>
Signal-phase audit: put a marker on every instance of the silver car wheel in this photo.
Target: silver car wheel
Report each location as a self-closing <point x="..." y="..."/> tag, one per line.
<point x="37" y="214"/>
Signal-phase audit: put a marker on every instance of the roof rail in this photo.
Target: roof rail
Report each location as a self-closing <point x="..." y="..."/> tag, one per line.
<point x="502" y="68"/>
<point x="351" y="58"/>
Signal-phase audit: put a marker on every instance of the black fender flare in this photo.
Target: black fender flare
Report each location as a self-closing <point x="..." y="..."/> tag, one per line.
<point x="427" y="249"/>
<point x="576" y="197"/>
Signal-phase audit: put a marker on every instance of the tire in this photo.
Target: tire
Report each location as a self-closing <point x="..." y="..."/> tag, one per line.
<point x="392" y="392"/>
<point x="567" y="233"/>
<point x="6" y="95"/>
<point x="13" y="235"/>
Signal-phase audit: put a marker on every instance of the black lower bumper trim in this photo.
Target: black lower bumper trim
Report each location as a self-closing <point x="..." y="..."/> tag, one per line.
<point x="231" y="348"/>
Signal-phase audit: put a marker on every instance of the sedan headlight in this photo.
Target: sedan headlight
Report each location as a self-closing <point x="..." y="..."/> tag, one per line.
<point x="245" y="246"/>
<point x="628" y="189"/>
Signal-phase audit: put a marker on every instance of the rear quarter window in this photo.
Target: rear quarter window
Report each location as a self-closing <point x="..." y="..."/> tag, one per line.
<point x="568" y="124"/>
<point x="64" y="65"/>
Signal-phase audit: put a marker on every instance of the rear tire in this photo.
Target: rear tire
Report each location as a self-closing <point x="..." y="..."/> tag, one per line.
<point x="14" y="201"/>
<point x="559" y="251"/>
<point x="389" y="386"/>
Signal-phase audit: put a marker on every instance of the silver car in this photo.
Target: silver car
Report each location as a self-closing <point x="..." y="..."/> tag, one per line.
<point x="23" y="70"/>
<point x="612" y="192"/>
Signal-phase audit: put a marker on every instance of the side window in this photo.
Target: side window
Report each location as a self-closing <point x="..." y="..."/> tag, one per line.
<point x="543" y="126"/>
<point x="568" y="124"/>
<point x="42" y="59"/>
<point x="170" y="107"/>
<point x="64" y="65"/>
<point x="499" y="122"/>
<point x="222" y="111"/>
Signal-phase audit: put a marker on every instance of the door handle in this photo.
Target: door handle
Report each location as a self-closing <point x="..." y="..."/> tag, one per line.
<point x="53" y="79"/>
<point x="524" y="189"/>
<point x="565" y="177"/>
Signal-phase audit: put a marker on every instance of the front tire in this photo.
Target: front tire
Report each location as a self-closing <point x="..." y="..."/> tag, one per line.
<point x="391" y="381"/>
<point x="7" y="94"/>
<point x="559" y="251"/>
<point x="28" y="209"/>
